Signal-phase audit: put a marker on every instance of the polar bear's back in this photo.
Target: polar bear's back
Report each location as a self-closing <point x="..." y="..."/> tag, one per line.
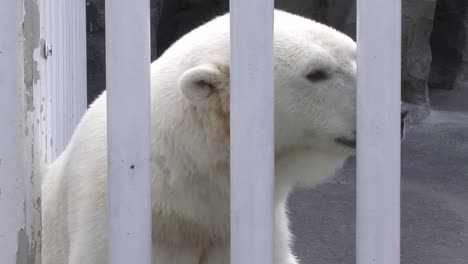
<point x="68" y="180"/>
<point x="55" y="244"/>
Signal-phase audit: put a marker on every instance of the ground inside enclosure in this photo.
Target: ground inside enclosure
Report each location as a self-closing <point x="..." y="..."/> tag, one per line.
<point x="434" y="196"/>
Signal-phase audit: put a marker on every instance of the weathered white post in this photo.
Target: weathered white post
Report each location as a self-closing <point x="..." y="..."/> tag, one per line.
<point x="12" y="169"/>
<point x="378" y="133"/>
<point x="128" y="131"/>
<point x="252" y="131"/>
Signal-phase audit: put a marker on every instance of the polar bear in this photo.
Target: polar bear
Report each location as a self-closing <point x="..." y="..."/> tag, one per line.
<point x="315" y="127"/>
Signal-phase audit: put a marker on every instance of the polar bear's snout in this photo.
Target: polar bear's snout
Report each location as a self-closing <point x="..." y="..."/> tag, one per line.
<point x="351" y="141"/>
<point x="348" y="142"/>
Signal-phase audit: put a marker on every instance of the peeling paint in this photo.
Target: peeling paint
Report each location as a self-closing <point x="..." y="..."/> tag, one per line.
<point x="22" y="245"/>
<point x="28" y="240"/>
<point x="38" y="202"/>
<point x="31" y="32"/>
<point x="32" y="144"/>
<point x="42" y="51"/>
<point x="25" y="252"/>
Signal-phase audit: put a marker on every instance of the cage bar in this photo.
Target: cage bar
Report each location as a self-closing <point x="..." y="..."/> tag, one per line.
<point x="128" y="131"/>
<point x="252" y="131"/>
<point x="378" y="133"/>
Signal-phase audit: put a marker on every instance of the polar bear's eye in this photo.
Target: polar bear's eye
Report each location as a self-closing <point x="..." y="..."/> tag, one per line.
<point x="317" y="75"/>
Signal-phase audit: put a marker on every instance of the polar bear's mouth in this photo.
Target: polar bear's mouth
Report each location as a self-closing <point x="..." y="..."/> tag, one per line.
<point x="348" y="142"/>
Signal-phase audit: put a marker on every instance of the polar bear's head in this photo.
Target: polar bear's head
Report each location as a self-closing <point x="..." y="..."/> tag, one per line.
<point x="315" y="80"/>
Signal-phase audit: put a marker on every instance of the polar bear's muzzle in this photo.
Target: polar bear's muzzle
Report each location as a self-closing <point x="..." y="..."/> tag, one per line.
<point x="351" y="142"/>
<point x="348" y="142"/>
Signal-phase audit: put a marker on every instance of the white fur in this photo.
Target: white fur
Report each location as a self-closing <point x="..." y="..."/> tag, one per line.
<point x="190" y="146"/>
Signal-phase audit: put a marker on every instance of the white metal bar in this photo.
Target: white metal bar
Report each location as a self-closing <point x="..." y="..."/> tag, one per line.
<point x="378" y="133"/>
<point x="64" y="77"/>
<point x="43" y="118"/>
<point x="55" y="33"/>
<point x="83" y="64"/>
<point x="252" y="131"/>
<point x="67" y="82"/>
<point x="48" y="81"/>
<point x="71" y="14"/>
<point x="60" y="74"/>
<point x="128" y="131"/>
<point x="74" y="67"/>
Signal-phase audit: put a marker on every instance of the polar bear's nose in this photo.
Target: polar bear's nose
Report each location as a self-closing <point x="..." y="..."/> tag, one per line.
<point x="348" y="142"/>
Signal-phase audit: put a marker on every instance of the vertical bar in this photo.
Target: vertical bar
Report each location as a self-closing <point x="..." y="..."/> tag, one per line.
<point x="378" y="137"/>
<point x="43" y="118"/>
<point x="81" y="83"/>
<point x="12" y="171"/>
<point x="128" y="131"/>
<point x="81" y="23"/>
<point x="48" y="14"/>
<point x="60" y="72"/>
<point x="70" y="62"/>
<point x="252" y="131"/>
<point x="67" y="81"/>
<point x="55" y="76"/>
<point x="69" y="87"/>
<point x="75" y="14"/>
<point x="83" y="54"/>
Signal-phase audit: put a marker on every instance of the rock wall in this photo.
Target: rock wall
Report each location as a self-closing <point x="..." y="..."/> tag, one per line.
<point x="434" y="41"/>
<point x="449" y="42"/>
<point x="96" y="43"/>
<point x="416" y="51"/>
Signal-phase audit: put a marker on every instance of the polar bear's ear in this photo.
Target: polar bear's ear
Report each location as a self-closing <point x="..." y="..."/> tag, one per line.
<point x="199" y="83"/>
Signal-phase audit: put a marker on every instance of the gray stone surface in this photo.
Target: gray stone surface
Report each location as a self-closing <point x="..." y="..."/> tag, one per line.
<point x="449" y="42"/>
<point x="450" y="66"/>
<point x="434" y="198"/>
<point x="416" y="52"/>
<point x="96" y="53"/>
<point x="180" y="16"/>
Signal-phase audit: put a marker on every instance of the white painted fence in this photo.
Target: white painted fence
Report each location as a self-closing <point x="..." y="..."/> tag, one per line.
<point x="61" y="94"/>
<point x="43" y="95"/>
